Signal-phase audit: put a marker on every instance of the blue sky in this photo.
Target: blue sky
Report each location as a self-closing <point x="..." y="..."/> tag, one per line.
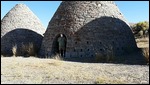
<point x="133" y="11"/>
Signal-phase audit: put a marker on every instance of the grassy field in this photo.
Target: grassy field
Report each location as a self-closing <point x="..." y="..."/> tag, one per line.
<point x="19" y="70"/>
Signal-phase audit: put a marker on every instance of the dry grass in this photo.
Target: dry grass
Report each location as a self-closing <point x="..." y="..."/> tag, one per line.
<point x="57" y="57"/>
<point x="99" y="57"/>
<point x="142" y="39"/>
<point x="31" y="50"/>
<point x="14" y="50"/>
<point x="2" y="55"/>
<point x="110" y="54"/>
<point x="145" y="52"/>
<point x="142" y="42"/>
<point x="105" y="57"/>
<point x="28" y="49"/>
<point x="107" y="80"/>
<point x="48" y="71"/>
<point x="29" y="69"/>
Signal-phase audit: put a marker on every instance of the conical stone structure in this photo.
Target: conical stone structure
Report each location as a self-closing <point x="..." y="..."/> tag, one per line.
<point x="91" y="28"/>
<point x="20" y="26"/>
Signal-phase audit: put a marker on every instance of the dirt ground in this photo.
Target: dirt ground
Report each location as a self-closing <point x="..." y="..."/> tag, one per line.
<point x="143" y="42"/>
<point x="19" y="70"/>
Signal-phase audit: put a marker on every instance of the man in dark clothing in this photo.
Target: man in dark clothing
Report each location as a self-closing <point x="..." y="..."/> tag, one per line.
<point x="62" y="45"/>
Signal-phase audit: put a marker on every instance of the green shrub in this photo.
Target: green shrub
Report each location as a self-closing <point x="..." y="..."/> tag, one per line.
<point x="140" y="29"/>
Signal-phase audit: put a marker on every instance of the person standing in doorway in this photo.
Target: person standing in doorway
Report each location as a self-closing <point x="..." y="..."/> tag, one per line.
<point x="62" y="45"/>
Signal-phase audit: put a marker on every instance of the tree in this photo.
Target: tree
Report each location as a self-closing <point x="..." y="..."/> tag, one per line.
<point x="140" y="28"/>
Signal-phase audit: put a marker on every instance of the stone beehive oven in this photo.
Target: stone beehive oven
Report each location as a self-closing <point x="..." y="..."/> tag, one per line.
<point x="91" y="28"/>
<point x="20" y="26"/>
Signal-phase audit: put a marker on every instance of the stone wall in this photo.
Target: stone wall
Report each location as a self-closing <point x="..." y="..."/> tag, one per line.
<point x="20" y="25"/>
<point x="91" y="27"/>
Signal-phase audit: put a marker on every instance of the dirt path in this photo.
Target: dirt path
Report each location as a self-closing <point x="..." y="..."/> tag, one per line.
<point x="49" y="71"/>
<point x="143" y="42"/>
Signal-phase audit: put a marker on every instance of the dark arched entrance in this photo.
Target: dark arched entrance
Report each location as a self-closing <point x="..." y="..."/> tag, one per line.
<point x="55" y="47"/>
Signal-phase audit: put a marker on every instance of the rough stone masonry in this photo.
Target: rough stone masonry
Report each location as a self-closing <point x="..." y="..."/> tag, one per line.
<point x="20" y="26"/>
<point x="91" y="28"/>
